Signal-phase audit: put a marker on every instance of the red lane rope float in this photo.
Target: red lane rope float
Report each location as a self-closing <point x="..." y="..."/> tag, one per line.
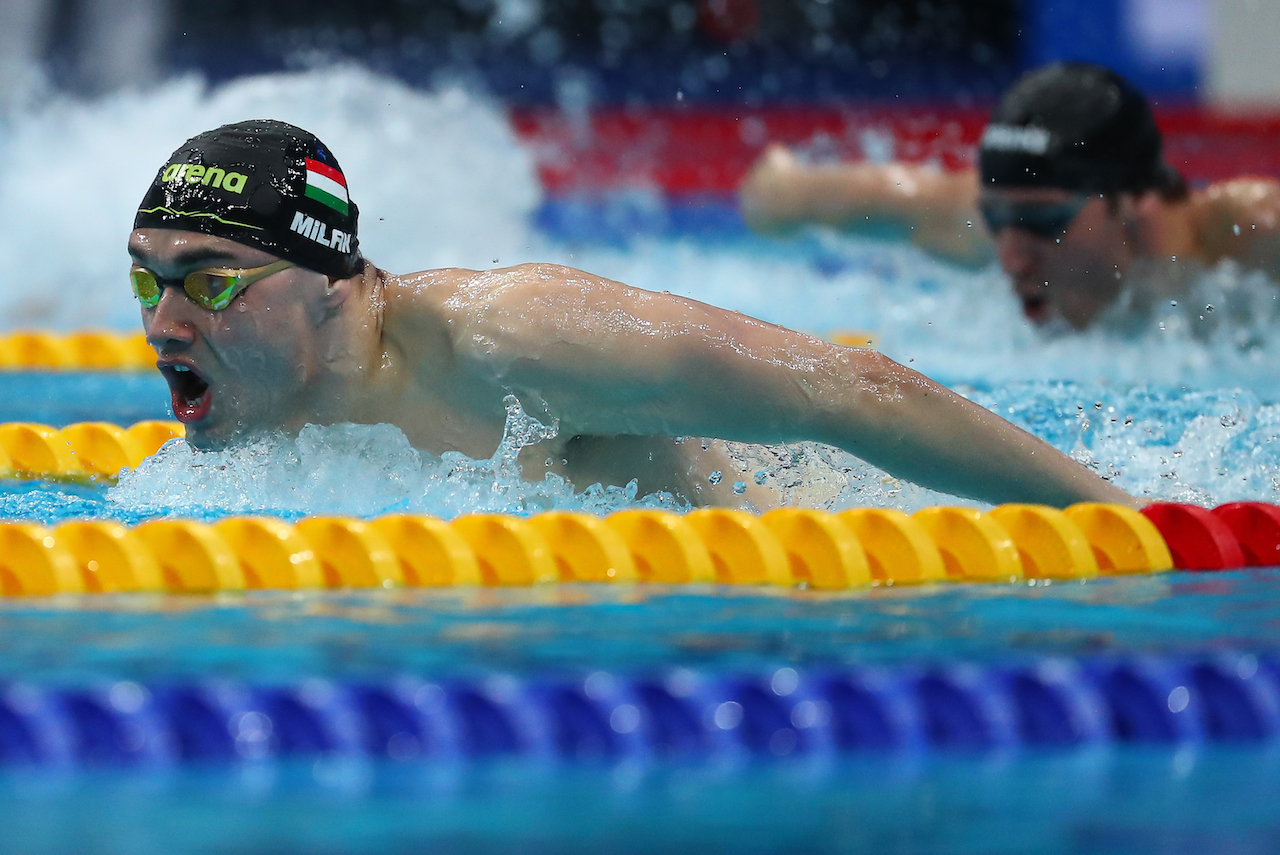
<point x="1197" y="539"/>
<point x="1256" y="527"/>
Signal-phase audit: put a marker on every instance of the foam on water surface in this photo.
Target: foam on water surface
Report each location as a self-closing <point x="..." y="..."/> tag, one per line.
<point x="359" y="470"/>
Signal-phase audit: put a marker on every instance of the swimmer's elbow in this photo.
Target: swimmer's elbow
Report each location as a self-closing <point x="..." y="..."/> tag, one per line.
<point x="871" y="367"/>
<point x="871" y="389"/>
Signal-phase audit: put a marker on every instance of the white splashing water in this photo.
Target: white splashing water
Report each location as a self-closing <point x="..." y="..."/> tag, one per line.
<point x="442" y="180"/>
<point x="439" y="177"/>
<point x="362" y="470"/>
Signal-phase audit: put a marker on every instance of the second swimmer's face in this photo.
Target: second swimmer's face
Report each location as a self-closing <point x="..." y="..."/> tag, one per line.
<point x="246" y="368"/>
<point x="1073" y="276"/>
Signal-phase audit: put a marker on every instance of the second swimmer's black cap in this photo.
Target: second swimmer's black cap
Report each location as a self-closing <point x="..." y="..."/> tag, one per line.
<point x="1074" y="126"/>
<point x="265" y="184"/>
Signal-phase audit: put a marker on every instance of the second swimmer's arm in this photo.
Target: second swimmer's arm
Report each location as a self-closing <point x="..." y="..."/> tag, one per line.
<point x="938" y="208"/>
<point x="611" y="360"/>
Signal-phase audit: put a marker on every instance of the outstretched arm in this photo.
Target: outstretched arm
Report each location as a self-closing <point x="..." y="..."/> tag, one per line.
<point x="937" y="208"/>
<point x="611" y="360"/>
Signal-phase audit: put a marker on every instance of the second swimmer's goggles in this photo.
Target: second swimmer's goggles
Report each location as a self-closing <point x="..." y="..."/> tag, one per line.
<point x="1045" y="220"/>
<point x="212" y="288"/>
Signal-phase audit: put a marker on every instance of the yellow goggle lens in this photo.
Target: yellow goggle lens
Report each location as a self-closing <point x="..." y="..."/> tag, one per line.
<point x="211" y="290"/>
<point x="145" y="287"/>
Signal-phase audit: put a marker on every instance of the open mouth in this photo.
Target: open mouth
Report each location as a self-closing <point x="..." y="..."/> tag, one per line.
<point x="188" y="391"/>
<point x="1035" y="307"/>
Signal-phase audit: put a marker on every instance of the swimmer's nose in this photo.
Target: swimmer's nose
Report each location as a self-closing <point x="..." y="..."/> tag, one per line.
<point x="1018" y="251"/>
<point x="169" y="327"/>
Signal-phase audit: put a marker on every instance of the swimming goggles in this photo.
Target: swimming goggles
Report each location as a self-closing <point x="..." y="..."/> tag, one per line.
<point x="213" y="288"/>
<point x="1046" y="220"/>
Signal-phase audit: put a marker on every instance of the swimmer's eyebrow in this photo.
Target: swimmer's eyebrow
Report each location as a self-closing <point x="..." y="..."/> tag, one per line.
<point x="190" y="257"/>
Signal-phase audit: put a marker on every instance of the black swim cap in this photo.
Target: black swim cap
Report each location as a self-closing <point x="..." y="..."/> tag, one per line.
<point x="265" y="184"/>
<point x="1075" y="126"/>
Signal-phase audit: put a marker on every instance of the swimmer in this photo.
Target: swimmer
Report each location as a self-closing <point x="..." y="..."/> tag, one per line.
<point x="1078" y="203"/>
<point x="266" y="317"/>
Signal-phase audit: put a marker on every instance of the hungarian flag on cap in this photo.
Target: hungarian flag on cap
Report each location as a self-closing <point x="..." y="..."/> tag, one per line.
<point x="326" y="184"/>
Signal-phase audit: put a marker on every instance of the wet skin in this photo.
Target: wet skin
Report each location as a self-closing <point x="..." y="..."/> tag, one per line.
<point x="1074" y="277"/>
<point x="1138" y="236"/>
<point x="622" y="371"/>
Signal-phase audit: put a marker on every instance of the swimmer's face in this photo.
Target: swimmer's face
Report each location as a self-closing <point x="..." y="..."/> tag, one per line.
<point x="242" y="370"/>
<point x="1075" y="276"/>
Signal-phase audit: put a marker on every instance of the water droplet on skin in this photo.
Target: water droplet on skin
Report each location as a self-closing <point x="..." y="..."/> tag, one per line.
<point x="716" y="477"/>
<point x="761" y="477"/>
<point x="1173" y="302"/>
<point x="969" y="223"/>
<point x="1236" y="228"/>
<point x="739" y="487"/>
<point x="1174" y="259"/>
<point x="1209" y="308"/>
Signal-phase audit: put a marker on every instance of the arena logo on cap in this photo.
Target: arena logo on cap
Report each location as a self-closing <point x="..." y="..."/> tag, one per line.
<point x="1016" y="138"/>
<point x="195" y="173"/>
<point x="317" y="231"/>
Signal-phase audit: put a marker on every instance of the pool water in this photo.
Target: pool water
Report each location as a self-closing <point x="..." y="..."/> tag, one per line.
<point x="1184" y="409"/>
<point x="277" y="637"/>
<point x="1218" y="801"/>
<point x="1184" y="795"/>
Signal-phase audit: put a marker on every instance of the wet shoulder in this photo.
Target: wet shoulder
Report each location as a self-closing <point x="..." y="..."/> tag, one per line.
<point x="414" y="317"/>
<point x="516" y="305"/>
<point x="1233" y="217"/>
<point x="478" y="310"/>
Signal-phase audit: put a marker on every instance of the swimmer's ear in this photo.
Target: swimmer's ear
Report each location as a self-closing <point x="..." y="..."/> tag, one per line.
<point x="338" y="291"/>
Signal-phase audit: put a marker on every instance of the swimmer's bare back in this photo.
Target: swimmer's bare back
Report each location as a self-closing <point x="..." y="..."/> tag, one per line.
<point x="624" y="370"/>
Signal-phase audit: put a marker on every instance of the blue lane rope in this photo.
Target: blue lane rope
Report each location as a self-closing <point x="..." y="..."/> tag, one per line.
<point x="679" y="714"/>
